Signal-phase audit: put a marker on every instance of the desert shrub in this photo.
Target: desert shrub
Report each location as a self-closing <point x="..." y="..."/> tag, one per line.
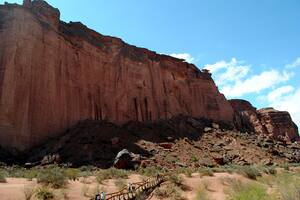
<point x="19" y="172"/>
<point x="16" y="172"/>
<point x="31" y="173"/>
<point x="218" y="170"/>
<point x="175" y="179"/>
<point x="230" y="168"/>
<point x="150" y="171"/>
<point x="187" y="171"/>
<point x="271" y="170"/>
<point x="2" y="177"/>
<point x="194" y="158"/>
<point x="102" y="175"/>
<point x="44" y="193"/>
<point x="86" y="171"/>
<point x="288" y="186"/>
<point x="206" y="172"/>
<point x="54" y="177"/>
<point x="72" y="174"/>
<point x="250" y="172"/>
<point x="286" y="167"/>
<point x="250" y="191"/>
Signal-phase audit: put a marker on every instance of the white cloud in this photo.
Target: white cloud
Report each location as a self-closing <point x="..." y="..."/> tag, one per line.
<point x="185" y="56"/>
<point x="228" y="71"/>
<point x="220" y="65"/>
<point x="290" y="103"/>
<point x="256" y="83"/>
<point x="234" y="78"/>
<point x="233" y="73"/>
<point x="296" y="63"/>
<point x="278" y="93"/>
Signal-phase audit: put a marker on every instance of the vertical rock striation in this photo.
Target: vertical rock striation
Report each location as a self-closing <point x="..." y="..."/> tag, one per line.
<point x="53" y="74"/>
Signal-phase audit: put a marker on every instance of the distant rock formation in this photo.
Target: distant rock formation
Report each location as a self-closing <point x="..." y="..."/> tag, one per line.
<point x="267" y="121"/>
<point x="54" y="74"/>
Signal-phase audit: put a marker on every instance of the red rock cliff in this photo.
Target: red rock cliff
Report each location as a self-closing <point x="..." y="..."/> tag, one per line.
<point x="267" y="121"/>
<point x="53" y="74"/>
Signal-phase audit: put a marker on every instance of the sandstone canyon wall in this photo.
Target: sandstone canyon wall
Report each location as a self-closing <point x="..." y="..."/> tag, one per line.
<point x="268" y="121"/>
<point x="53" y="74"/>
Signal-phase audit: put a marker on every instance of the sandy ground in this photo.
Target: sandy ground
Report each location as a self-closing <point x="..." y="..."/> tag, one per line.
<point x="215" y="186"/>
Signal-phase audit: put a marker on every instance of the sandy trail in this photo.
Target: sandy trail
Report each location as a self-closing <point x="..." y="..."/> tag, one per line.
<point x="215" y="187"/>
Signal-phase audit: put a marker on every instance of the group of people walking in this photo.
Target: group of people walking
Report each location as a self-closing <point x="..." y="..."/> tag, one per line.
<point x="100" y="196"/>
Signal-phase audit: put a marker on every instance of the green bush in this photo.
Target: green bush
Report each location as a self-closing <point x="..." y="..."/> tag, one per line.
<point x="2" y="177"/>
<point x="271" y="170"/>
<point x="194" y="158"/>
<point x="54" y="177"/>
<point x="206" y="172"/>
<point x="102" y="175"/>
<point x="219" y="170"/>
<point x="288" y="186"/>
<point x="286" y="167"/>
<point x="176" y="179"/>
<point x="150" y="171"/>
<point x="87" y="171"/>
<point x="31" y="173"/>
<point x="16" y="172"/>
<point x="187" y="171"/>
<point x="72" y="174"/>
<point x="250" y="172"/>
<point x="251" y="191"/>
<point x="43" y="193"/>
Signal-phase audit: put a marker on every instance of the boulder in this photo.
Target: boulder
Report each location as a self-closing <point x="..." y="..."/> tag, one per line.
<point x="207" y="129"/>
<point x="125" y="160"/>
<point x="166" y="145"/>
<point x="51" y="159"/>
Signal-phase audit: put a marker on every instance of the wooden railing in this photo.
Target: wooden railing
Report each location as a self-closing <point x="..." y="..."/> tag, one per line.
<point x="137" y="188"/>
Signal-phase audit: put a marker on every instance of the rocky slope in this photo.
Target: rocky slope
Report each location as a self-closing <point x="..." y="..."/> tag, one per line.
<point x="177" y="142"/>
<point x="54" y="74"/>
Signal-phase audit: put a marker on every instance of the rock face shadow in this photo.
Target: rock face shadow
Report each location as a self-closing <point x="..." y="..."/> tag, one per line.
<point x="97" y="143"/>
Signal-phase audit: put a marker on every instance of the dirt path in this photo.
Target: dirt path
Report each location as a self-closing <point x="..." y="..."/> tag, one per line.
<point x="81" y="189"/>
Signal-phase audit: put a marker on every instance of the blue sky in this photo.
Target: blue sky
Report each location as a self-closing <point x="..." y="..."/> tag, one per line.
<point x="251" y="46"/>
